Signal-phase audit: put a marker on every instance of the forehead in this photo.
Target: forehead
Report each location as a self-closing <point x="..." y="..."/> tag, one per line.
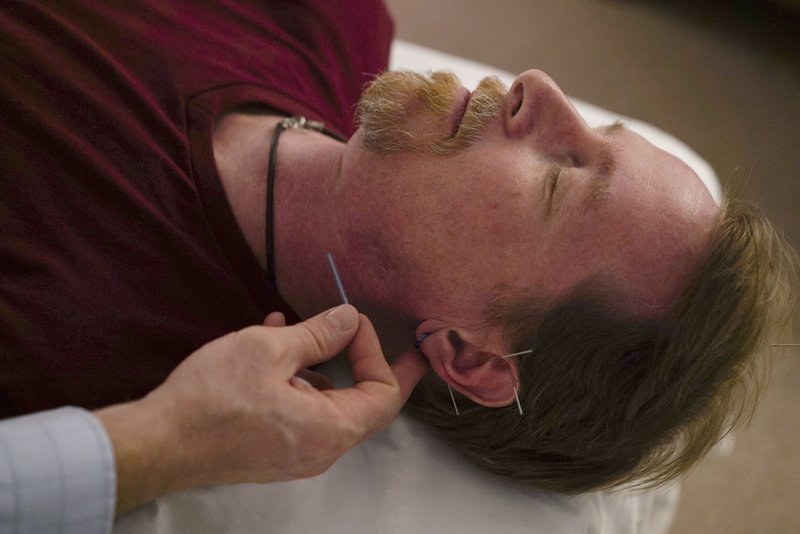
<point x="650" y="177"/>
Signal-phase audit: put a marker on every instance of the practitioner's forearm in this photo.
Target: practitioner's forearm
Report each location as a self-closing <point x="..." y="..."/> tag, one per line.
<point x="146" y="453"/>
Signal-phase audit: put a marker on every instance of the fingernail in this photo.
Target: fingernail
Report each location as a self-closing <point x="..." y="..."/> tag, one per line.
<point x="343" y="316"/>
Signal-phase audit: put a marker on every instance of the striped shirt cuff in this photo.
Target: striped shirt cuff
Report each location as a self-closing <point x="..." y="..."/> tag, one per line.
<point x="57" y="474"/>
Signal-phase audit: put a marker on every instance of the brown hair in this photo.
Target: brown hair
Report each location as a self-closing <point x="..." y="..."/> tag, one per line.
<point x="610" y="398"/>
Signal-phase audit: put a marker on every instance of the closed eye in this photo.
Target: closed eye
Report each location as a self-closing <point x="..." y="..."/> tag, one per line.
<point x="551" y="180"/>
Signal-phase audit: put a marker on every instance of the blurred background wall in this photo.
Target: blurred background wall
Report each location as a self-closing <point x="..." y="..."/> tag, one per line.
<point x="725" y="78"/>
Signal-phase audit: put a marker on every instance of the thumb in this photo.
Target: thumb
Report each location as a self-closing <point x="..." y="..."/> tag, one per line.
<point x="321" y="337"/>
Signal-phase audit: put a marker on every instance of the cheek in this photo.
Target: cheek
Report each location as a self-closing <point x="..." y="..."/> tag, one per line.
<point x="573" y="249"/>
<point x="625" y="247"/>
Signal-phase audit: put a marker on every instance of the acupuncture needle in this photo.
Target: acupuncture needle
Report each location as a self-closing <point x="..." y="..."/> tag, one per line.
<point x="516" y="394"/>
<point x="338" y="279"/>
<point x="341" y="293"/>
<point x="520" y="353"/>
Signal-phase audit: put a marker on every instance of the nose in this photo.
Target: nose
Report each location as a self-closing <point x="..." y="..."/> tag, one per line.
<point x="536" y="108"/>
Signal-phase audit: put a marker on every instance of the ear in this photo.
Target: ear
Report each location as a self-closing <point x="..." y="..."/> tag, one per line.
<point x="481" y="375"/>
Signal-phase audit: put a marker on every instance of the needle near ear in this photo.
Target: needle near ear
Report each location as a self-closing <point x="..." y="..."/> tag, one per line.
<point x="520" y="353"/>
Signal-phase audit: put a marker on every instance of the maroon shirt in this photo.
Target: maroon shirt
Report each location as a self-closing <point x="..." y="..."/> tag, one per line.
<point x="119" y="253"/>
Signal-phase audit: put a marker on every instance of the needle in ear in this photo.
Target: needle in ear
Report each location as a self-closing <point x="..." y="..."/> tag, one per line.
<point x="520" y="353"/>
<point x="516" y="396"/>
<point x="453" y="398"/>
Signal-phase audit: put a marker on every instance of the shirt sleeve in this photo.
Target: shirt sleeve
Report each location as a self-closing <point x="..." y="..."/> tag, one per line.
<point x="57" y="474"/>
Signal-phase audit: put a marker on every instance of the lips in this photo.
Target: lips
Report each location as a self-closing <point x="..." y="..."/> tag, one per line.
<point x="462" y="98"/>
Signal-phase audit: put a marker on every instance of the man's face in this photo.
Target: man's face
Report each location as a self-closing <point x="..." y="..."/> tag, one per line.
<point x="526" y="196"/>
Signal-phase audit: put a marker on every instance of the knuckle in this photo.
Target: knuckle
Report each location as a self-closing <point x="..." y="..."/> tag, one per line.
<point x="350" y="435"/>
<point x="322" y="467"/>
<point x="341" y="438"/>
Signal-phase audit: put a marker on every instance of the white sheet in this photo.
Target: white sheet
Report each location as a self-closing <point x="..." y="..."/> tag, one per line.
<point x="406" y="480"/>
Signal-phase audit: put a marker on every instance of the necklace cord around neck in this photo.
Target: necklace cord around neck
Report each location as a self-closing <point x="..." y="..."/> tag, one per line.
<point x="288" y="123"/>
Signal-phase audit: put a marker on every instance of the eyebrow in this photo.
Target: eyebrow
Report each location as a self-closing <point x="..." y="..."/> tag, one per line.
<point x="607" y="162"/>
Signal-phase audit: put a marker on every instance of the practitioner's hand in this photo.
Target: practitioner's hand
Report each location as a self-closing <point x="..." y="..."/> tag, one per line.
<point x="317" y="380"/>
<point x="234" y="411"/>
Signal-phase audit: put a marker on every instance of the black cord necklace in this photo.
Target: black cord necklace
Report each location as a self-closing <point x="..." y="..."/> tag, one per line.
<point x="289" y="123"/>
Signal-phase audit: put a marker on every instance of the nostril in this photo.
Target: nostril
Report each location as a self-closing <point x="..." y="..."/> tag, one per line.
<point x="517" y="94"/>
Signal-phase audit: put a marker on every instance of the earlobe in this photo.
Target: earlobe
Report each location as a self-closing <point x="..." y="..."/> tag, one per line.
<point x="482" y="376"/>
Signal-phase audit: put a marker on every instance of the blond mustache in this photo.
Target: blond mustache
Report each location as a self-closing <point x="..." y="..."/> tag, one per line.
<point x="389" y="100"/>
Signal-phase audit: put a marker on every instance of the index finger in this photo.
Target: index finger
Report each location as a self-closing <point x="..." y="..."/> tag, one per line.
<point x="369" y="363"/>
<point x="408" y="369"/>
<point x="380" y="390"/>
<point x="366" y="356"/>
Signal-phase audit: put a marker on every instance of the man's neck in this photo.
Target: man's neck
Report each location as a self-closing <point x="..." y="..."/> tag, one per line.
<point x="308" y="223"/>
<point x="305" y="224"/>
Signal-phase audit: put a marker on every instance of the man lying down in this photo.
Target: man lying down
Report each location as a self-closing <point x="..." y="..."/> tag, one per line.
<point x="629" y="302"/>
<point x="149" y="207"/>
